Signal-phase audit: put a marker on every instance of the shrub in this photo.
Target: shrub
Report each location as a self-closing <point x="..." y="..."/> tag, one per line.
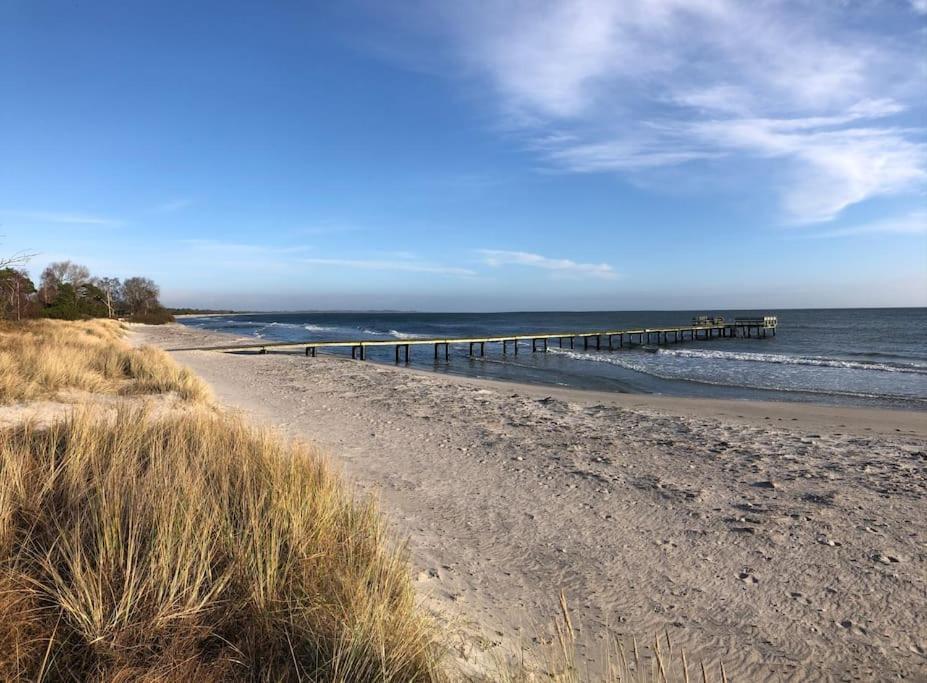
<point x="156" y="316"/>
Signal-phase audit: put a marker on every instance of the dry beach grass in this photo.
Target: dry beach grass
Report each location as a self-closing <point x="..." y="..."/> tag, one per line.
<point x="189" y="547"/>
<point x="42" y="358"/>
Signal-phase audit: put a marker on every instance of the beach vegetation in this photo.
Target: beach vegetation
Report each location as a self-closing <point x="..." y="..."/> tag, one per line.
<point x="17" y="294"/>
<point x="67" y="291"/>
<point x="189" y="546"/>
<point x="43" y="358"/>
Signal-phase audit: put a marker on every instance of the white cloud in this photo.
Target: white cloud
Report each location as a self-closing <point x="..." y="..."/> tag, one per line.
<point x="401" y="265"/>
<point x="625" y="87"/>
<point x="830" y="168"/>
<point x="913" y="223"/>
<point x="63" y="218"/>
<point x="499" y="257"/>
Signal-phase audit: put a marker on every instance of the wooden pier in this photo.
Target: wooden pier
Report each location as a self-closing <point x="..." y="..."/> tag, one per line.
<point x="702" y="327"/>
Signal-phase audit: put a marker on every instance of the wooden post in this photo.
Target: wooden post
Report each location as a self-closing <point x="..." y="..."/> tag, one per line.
<point x="571" y="341"/>
<point x="609" y="342"/>
<point x="482" y="348"/>
<point x="585" y="343"/>
<point x="545" y="344"/>
<point x="534" y="345"/>
<point x="598" y="342"/>
<point x="407" y="353"/>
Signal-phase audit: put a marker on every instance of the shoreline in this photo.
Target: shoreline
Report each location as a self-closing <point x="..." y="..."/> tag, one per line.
<point x="874" y="417"/>
<point x="751" y="531"/>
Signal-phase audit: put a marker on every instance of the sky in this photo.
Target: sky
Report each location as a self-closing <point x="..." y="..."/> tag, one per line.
<point x="593" y="155"/>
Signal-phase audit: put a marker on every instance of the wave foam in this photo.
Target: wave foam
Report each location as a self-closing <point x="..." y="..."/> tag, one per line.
<point x="396" y="334"/>
<point x="404" y="335"/>
<point x="319" y="328"/>
<point x="627" y="362"/>
<point x="780" y="359"/>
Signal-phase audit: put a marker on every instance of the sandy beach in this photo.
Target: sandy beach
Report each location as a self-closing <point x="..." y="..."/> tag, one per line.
<point x="787" y="540"/>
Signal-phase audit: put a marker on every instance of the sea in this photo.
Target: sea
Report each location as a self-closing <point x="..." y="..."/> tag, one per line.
<point x="870" y="357"/>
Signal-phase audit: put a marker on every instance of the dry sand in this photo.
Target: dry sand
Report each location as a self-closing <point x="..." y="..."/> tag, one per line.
<point x="788" y="540"/>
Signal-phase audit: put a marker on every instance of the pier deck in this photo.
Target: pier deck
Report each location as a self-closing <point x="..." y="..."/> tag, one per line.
<point x="740" y="327"/>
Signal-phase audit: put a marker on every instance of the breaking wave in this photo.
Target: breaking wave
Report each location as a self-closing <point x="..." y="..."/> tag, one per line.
<point x="780" y="359"/>
<point x="638" y="363"/>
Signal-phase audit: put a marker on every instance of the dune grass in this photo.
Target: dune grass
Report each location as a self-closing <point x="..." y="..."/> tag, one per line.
<point x="42" y="358"/>
<point x="192" y="547"/>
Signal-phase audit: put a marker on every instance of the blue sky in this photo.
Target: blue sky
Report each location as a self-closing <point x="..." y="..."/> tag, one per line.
<point x="473" y="156"/>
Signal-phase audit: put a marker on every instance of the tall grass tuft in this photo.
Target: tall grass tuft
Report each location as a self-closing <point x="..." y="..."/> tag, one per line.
<point x="40" y="358"/>
<point x="192" y="547"/>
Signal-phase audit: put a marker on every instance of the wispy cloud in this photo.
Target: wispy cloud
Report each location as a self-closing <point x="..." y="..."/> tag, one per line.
<point x="401" y="265"/>
<point x="831" y="168"/>
<point x="219" y="248"/>
<point x="173" y="205"/>
<point x="628" y="87"/>
<point x="242" y="256"/>
<point x="499" y="257"/>
<point x="297" y="256"/>
<point x="63" y="218"/>
<point x="913" y="223"/>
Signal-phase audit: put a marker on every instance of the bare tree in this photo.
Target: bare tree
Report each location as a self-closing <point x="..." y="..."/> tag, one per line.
<point x="61" y="273"/>
<point x="20" y="258"/>
<point x="16" y="287"/>
<point x="140" y="295"/>
<point x="68" y="273"/>
<point x="112" y="292"/>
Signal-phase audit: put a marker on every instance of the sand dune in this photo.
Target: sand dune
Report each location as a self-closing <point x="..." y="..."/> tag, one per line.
<point x="787" y="539"/>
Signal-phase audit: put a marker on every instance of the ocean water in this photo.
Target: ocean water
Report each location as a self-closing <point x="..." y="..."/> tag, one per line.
<point x="833" y="356"/>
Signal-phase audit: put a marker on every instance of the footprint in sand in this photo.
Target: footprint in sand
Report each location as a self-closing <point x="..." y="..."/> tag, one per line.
<point x="748" y="578"/>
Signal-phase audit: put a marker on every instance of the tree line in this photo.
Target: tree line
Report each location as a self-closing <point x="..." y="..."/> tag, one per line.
<point x="68" y="291"/>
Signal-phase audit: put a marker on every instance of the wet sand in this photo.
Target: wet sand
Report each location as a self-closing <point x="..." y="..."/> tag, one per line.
<point x="789" y="540"/>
